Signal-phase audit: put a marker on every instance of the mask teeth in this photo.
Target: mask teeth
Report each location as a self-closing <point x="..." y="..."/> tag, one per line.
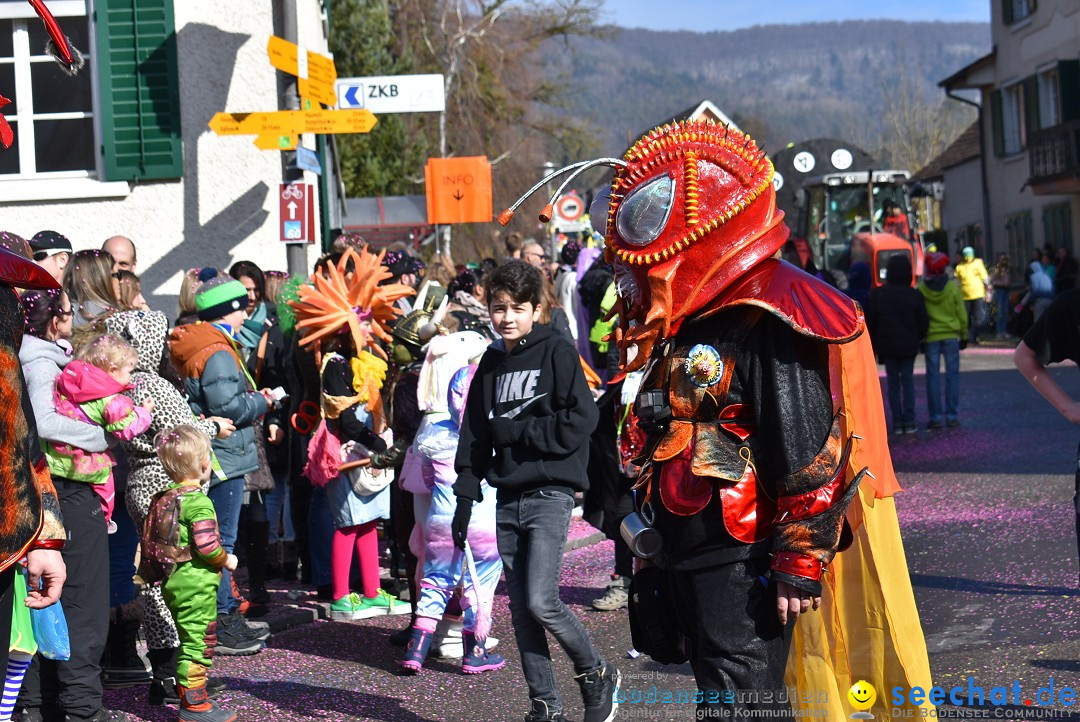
<point x="690" y="175"/>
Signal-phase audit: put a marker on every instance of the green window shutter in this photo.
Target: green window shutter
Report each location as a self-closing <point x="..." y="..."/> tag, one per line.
<point x="1030" y="87"/>
<point x="1069" y="89"/>
<point x="1006" y="12"/>
<point x="995" y="123"/>
<point x="140" y="114"/>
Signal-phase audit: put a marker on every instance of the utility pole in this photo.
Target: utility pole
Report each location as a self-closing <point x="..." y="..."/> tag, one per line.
<point x="296" y="253"/>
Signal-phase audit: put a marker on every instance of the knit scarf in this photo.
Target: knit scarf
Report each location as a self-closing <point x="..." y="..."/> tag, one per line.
<point x="250" y="332"/>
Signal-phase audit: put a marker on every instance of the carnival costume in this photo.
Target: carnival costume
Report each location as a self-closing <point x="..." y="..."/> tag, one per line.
<point x="766" y="450"/>
<point x="443" y="388"/>
<point x="349" y="306"/>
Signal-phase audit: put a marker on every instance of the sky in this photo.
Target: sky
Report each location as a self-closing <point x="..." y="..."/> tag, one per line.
<point x="706" y="15"/>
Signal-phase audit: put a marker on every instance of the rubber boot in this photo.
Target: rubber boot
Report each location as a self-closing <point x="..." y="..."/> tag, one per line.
<point x="478" y="660"/>
<point x="416" y="651"/>
<point x="257" y="548"/>
<point x="195" y="706"/>
<point x="121" y="665"/>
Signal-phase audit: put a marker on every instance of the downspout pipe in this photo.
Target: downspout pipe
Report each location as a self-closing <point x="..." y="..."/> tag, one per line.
<point x="987" y="234"/>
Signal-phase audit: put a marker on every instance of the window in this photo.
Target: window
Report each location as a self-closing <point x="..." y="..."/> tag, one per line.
<point x="1016" y="10"/>
<point x="51" y="112"/>
<point x="1012" y="102"/>
<point x="1057" y="225"/>
<point x="1019" y="240"/>
<point x="1049" y="98"/>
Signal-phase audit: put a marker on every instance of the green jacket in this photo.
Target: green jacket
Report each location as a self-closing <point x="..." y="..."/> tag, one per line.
<point x="945" y="307"/>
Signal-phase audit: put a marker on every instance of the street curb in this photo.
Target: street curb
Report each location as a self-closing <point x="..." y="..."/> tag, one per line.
<point x="584" y="541"/>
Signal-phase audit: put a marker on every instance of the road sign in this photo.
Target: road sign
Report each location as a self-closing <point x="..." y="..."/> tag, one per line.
<point x="297" y="213"/>
<point x="393" y="93"/>
<point x="315" y="73"/>
<point x="272" y="141"/>
<point x="292" y="122"/>
<point x="570" y="207"/>
<point x="458" y="190"/>
<point x="307" y="159"/>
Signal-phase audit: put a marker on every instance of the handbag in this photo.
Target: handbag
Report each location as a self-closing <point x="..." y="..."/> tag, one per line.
<point x="653" y="628"/>
<point x="355" y="464"/>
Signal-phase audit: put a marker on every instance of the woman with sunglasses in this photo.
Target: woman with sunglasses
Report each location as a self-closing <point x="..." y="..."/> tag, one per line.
<point x="43" y="354"/>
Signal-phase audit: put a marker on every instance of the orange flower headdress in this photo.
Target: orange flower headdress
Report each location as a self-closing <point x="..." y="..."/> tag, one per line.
<point x="345" y="298"/>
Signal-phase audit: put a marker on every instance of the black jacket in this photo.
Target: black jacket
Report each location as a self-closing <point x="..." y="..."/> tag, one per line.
<point x="896" y="314"/>
<point x="527" y="420"/>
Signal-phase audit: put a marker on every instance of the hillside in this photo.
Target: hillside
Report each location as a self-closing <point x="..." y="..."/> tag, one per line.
<point x="783" y="83"/>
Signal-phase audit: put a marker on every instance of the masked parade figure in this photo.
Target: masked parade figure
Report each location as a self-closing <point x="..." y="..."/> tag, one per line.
<point x="765" y="450"/>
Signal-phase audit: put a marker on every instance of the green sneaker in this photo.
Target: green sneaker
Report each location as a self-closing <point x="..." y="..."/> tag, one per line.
<point x="382" y="603"/>
<point x="346" y="608"/>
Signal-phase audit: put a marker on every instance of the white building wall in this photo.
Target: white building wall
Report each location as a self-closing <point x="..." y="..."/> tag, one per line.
<point x="225" y="208"/>
<point x="961" y="204"/>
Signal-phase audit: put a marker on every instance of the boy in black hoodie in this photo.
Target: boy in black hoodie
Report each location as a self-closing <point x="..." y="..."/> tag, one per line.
<point x="526" y="430"/>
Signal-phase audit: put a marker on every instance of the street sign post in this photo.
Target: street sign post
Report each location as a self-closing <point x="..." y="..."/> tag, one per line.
<point x="273" y="141"/>
<point x="315" y="73"/>
<point x="296" y="212"/>
<point x="292" y="122"/>
<point x="393" y="93"/>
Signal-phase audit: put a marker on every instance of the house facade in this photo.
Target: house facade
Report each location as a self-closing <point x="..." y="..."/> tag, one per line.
<point x="123" y="148"/>
<point x="1030" y="96"/>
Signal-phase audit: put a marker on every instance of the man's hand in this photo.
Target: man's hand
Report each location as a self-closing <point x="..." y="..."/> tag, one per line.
<point x="225" y="426"/>
<point x="274" y="435"/>
<point x="459" y="527"/>
<point x="793" y="601"/>
<point x="47" y="570"/>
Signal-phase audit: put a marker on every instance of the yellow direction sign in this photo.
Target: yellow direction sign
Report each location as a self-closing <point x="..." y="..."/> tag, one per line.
<point x="316" y="73"/>
<point x="293" y="122"/>
<point x="276" y="142"/>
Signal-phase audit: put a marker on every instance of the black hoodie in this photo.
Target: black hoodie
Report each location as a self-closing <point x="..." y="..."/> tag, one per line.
<point x="527" y="420"/>
<point x="896" y="314"/>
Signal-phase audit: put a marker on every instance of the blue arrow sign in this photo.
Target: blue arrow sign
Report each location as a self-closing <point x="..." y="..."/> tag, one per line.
<point x="352" y="97"/>
<point x="308" y="160"/>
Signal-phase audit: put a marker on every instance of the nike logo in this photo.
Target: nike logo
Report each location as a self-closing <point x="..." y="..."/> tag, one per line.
<point x="519" y="408"/>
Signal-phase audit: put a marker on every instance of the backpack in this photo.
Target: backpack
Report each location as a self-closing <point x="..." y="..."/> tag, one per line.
<point x="161" y="550"/>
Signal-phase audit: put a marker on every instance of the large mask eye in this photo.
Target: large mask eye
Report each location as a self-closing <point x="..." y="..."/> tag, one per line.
<point x="598" y="211"/>
<point x="644" y="213"/>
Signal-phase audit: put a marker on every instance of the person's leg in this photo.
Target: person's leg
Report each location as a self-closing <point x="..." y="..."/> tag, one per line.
<point x="907" y="391"/>
<point x="531" y="640"/>
<point x="367" y="552"/>
<point x="341" y="556"/>
<point x="545" y="515"/>
<point x="933" y="381"/>
<point x="951" y="351"/>
<point x="892" y="379"/>
<point x="86" y="598"/>
<point x="1001" y="310"/>
<point x="16" y="665"/>
<point x="320" y="537"/>
<point x="191" y="593"/>
<point x="228" y="496"/>
<point x="257" y="541"/>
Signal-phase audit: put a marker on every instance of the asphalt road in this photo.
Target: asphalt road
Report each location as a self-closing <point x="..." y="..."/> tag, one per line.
<point x="987" y="523"/>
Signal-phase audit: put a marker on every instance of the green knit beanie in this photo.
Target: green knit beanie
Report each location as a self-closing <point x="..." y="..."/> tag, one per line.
<point x="218" y="295"/>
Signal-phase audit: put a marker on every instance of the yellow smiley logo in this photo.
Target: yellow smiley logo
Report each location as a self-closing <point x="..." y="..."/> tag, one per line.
<point x="862" y="695"/>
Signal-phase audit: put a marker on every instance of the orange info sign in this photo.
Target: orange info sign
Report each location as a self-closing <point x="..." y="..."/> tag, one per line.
<point x="458" y="190"/>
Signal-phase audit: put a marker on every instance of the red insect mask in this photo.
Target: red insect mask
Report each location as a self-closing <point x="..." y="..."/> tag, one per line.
<point x="690" y="210"/>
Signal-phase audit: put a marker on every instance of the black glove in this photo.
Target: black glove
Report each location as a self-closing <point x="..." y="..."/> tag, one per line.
<point x="372" y="441"/>
<point x="502" y="431"/>
<point x="390" y="457"/>
<point x="459" y="527"/>
<point x="963" y="344"/>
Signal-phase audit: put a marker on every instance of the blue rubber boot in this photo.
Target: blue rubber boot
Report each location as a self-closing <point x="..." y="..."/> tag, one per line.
<point x="478" y="660"/>
<point x="416" y="651"/>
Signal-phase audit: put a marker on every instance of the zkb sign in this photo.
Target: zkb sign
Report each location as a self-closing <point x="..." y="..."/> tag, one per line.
<point x="393" y="93"/>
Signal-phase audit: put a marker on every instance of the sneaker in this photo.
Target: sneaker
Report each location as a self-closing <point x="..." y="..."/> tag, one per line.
<point x="598" y="689"/>
<point x="899" y="430"/>
<point x="259" y="631"/>
<point x="478" y="659"/>
<point x="381" y="604"/>
<point x="163" y="691"/>
<point x="233" y="638"/>
<point x="195" y="706"/>
<point x="416" y="651"/>
<point x="617" y="596"/>
<point x="346" y="608"/>
<point x="102" y="715"/>
<point x="540" y="712"/>
<point x="933" y="425"/>
<point x="911" y="429"/>
<point x="952" y="423"/>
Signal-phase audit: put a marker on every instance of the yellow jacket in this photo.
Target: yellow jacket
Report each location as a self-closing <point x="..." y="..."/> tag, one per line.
<point x="972" y="277"/>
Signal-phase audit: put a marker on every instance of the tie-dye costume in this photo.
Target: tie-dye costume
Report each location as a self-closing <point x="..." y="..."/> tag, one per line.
<point x="88" y="394"/>
<point x="443" y="390"/>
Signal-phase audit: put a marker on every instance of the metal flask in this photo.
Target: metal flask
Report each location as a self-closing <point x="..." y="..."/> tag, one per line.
<point x="640" y="535"/>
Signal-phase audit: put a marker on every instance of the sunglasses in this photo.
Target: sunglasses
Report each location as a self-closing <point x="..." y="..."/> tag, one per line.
<point x="64" y="314"/>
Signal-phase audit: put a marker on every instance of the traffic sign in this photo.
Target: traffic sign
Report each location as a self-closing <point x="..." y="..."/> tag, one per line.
<point x="292" y="122"/>
<point x="458" y="190"/>
<point x="273" y="141"/>
<point x="393" y="93"/>
<point x="307" y="159"/>
<point x="570" y="207"/>
<point x="315" y="73"/>
<point x="297" y="213"/>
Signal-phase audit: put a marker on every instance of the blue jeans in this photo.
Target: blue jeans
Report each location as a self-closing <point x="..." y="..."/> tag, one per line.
<point x="277" y="507"/>
<point x="950" y="349"/>
<point x="228" y="497"/>
<point x="1001" y="309"/>
<point x="900" y="374"/>
<point x="531" y="531"/>
<point x="976" y="312"/>
<point x="320" y="536"/>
